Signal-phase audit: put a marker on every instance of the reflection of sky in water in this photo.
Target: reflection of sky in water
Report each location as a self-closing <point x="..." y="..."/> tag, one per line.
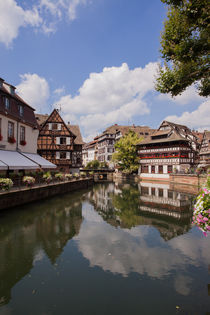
<point x="122" y="251"/>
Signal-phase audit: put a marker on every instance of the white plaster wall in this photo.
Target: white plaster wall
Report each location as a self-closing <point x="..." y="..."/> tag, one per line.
<point x="31" y="136"/>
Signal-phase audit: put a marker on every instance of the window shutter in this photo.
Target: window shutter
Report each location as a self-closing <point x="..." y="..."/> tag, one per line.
<point x="68" y="140"/>
<point x="59" y="126"/>
<point x="68" y="155"/>
<point x="50" y="126"/>
<point x="57" y="155"/>
<point x="57" y="140"/>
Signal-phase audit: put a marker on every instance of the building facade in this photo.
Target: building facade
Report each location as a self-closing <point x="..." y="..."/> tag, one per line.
<point x="172" y="148"/>
<point x="18" y="133"/>
<point x="108" y="138"/>
<point x="58" y="143"/>
<point x="18" y="126"/>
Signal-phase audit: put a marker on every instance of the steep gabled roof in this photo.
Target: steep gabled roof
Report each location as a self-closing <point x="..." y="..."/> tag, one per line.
<point x="168" y="132"/>
<point x="76" y="131"/>
<point x="41" y="118"/>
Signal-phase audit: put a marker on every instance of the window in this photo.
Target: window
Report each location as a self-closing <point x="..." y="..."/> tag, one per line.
<point x="6" y="103"/>
<point x="160" y="192"/>
<point x="22" y="133"/>
<point x="62" y="155"/>
<point x="153" y="191"/>
<point x="169" y="168"/>
<point x="62" y="140"/>
<point x="160" y="169"/>
<point x="170" y="194"/>
<point x="153" y="169"/>
<point x="144" y="169"/>
<point x="21" y="110"/>
<point x="10" y="129"/>
<point x="54" y="126"/>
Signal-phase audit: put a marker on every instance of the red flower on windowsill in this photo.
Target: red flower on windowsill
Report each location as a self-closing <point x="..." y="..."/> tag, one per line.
<point x="1" y="137"/>
<point x="22" y="142"/>
<point x="11" y="140"/>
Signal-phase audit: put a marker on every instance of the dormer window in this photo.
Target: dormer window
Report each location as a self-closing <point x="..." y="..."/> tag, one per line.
<point x="12" y="89"/>
<point x="20" y="110"/>
<point x="6" y="103"/>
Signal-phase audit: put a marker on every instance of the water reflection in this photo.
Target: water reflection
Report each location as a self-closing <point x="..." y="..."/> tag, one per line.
<point x="131" y="243"/>
<point x="129" y="205"/>
<point x="133" y="225"/>
<point x="29" y="234"/>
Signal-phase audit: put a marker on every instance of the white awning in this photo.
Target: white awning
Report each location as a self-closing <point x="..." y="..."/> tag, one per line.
<point x="3" y="166"/>
<point x="43" y="163"/>
<point x="16" y="161"/>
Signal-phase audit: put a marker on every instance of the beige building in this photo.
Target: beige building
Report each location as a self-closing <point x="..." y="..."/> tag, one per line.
<point x="18" y="132"/>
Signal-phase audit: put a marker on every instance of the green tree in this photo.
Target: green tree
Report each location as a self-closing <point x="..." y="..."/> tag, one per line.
<point x="126" y="156"/>
<point x="185" y="46"/>
<point x="95" y="164"/>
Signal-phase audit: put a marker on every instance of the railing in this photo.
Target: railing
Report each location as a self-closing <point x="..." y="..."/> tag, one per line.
<point x="39" y="182"/>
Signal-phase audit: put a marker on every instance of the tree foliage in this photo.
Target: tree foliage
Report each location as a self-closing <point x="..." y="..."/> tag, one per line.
<point x="95" y="164"/>
<point x="126" y="156"/>
<point x="185" y="46"/>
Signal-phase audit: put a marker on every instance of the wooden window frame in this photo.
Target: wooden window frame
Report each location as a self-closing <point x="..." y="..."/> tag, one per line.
<point x="10" y="123"/>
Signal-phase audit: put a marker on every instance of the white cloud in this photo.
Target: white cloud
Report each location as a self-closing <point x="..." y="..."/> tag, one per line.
<point x="59" y="91"/>
<point x="114" y="95"/>
<point x="200" y="118"/>
<point x="12" y="17"/>
<point x="43" y="16"/>
<point x="188" y="96"/>
<point x="34" y="90"/>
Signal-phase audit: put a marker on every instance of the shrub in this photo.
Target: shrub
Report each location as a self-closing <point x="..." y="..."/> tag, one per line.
<point x="28" y="180"/>
<point x="5" y="183"/>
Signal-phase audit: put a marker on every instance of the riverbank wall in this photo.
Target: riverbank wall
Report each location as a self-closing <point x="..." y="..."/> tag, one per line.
<point x="17" y="197"/>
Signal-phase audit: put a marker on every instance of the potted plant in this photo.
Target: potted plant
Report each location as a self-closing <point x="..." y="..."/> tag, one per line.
<point x="22" y="142"/>
<point x="5" y="183"/>
<point x="83" y="174"/>
<point x="68" y="176"/>
<point x="28" y="181"/>
<point x="76" y="175"/>
<point x="11" y="139"/>
<point x="59" y="176"/>
<point x="47" y="177"/>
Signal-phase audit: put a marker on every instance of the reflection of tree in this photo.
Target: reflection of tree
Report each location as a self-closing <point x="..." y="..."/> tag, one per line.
<point x="47" y="225"/>
<point x="126" y="206"/>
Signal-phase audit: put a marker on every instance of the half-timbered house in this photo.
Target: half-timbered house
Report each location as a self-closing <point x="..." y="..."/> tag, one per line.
<point x="171" y="148"/>
<point x="58" y="143"/>
<point x="205" y="150"/>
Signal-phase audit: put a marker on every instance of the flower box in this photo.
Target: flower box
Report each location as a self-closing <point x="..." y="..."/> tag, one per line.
<point x="28" y="181"/>
<point x="22" y="142"/>
<point x="11" y="140"/>
<point x="5" y="183"/>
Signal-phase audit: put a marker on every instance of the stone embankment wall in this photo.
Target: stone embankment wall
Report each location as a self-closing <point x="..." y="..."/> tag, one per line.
<point x="188" y="179"/>
<point x="19" y="197"/>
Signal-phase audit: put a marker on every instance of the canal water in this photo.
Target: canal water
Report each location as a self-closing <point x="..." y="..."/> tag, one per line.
<point x="118" y="248"/>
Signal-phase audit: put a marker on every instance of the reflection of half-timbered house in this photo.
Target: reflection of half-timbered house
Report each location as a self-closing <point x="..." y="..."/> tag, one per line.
<point x="57" y="143"/>
<point x="171" y="148"/>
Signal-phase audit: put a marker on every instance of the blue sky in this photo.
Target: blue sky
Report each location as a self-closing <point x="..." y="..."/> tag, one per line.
<point x="96" y="59"/>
